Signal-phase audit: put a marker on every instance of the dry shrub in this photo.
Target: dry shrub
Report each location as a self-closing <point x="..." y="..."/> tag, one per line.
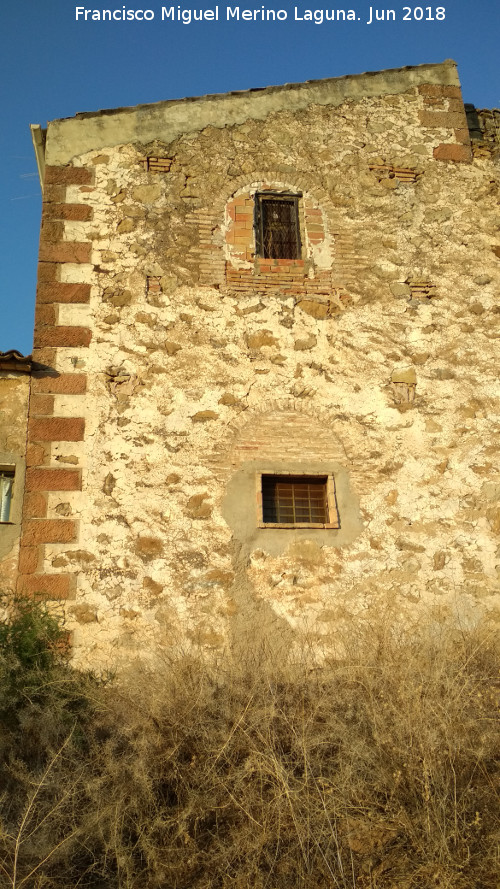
<point x="377" y="769"/>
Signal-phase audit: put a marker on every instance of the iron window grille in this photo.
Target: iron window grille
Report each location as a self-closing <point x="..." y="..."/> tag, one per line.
<point x="297" y="501"/>
<point x="277" y="226"/>
<point x="6" y="488"/>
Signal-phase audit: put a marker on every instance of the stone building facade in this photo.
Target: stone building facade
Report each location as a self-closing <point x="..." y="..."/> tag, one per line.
<point x="266" y="353"/>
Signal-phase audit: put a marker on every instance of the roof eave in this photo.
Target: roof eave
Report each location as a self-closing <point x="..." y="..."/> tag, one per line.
<point x="38" y="136"/>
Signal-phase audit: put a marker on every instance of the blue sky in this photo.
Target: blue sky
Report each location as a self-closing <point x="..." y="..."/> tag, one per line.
<point x="53" y="66"/>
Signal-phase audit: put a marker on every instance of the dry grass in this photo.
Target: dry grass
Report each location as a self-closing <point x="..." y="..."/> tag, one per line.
<point x="381" y="769"/>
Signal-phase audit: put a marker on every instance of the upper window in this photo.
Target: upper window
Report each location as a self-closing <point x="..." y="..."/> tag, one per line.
<point x="6" y="486"/>
<point x="298" y="501"/>
<point x="277" y="228"/>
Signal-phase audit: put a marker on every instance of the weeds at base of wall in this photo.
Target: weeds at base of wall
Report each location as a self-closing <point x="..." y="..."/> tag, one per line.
<point x="30" y="636"/>
<point x="381" y="769"/>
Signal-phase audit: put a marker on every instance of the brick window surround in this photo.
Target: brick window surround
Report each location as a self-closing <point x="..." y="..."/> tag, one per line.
<point x="330" y="261"/>
<point x="287" y="500"/>
<point x="255" y="217"/>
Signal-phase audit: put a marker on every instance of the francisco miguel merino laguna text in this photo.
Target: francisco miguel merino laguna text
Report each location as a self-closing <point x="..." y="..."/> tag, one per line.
<point x="261" y="14"/>
<point x="229" y="13"/>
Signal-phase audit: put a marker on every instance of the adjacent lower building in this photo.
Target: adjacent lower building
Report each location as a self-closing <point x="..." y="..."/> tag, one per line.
<point x="15" y="370"/>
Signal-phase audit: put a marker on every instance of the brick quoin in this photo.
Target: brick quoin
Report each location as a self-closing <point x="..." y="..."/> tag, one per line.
<point x="45" y="315"/>
<point x="73" y="212"/>
<point x="452" y="152"/>
<point x="52" y="229"/>
<point x="44" y="356"/>
<point x="42" y="426"/>
<point x="56" y="292"/>
<point x="62" y="336"/>
<point x="442" y="119"/>
<point x="53" y="480"/>
<point x="62" y="384"/>
<point x="29" y="558"/>
<point x="46" y="586"/>
<point x="56" y="429"/>
<point x="456" y="105"/>
<point x="35" y="505"/>
<point x="42" y="405"/>
<point x="48" y="531"/>
<point x="437" y="89"/>
<point x="37" y="455"/>
<point x="66" y="251"/>
<point x="47" y="273"/>
<point x="437" y="102"/>
<point x="53" y="194"/>
<point x="68" y="176"/>
<point x="462" y="136"/>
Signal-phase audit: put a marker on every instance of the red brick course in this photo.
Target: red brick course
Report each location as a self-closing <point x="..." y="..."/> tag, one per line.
<point x="48" y="531"/>
<point x="437" y="89"/>
<point x="65" y="251"/>
<point x="62" y="336"/>
<point x="452" y="152"/>
<point x="76" y="212"/>
<point x="62" y="384"/>
<point x="56" y="429"/>
<point x="444" y="119"/>
<point x="56" y="292"/>
<point x="68" y="176"/>
<point x="53" y="480"/>
<point x="47" y="586"/>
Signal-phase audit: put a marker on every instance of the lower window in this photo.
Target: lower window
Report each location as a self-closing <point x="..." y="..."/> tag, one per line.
<point x="297" y="501"/>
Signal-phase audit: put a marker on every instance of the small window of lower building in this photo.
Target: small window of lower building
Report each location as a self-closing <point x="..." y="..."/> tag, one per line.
<point x="297" y="501"/>
<point x="6" y="488"/>
<point x="277" y="227"/>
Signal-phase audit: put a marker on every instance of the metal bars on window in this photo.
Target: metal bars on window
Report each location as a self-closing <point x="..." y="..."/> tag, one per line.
<point x="287" y="500"/>
<point x="277" y="227"/>
<point x="294" y="500"/>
